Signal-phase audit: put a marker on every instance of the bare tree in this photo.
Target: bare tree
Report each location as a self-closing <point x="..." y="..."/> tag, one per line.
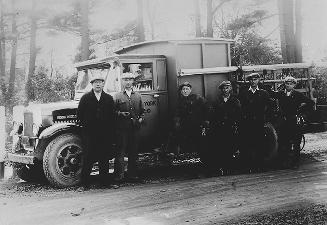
<point x="85" y="42"/>
<point x="209" y="19"/>
<point x="212" y="9"/>
<point x="32" y="59"/>
<point x="286" y="21"/>
<point x="2" y="43"/>
<point x="33" y="51"/>
<point x="14" y="43"/>
<point x="298" y="31"/>
<point x="197" y="18"/>
<point x="151" y="6"/>
<point x="140" y="23"/>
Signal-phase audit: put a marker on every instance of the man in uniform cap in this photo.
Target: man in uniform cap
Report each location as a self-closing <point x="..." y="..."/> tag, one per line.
<point x="190" y="114"/>
<point x="96" y="113"/>
<point x="224" y="120"/>
<point x="185" y="84"/>
<point x="130" y="117"/>
<point x="292" y="103"/>
<point x="253" y="76"/>
<point x="255" y="102"/>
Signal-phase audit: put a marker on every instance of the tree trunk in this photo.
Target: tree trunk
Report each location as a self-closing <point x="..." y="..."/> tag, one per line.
<point x="85" y="42"/>
<point x="151" y="16"/>
<point x="32" y="59"/>
<point x="197" y="19"/>
<point x="298" y="31"/>
<point x="286" y="21"/>
<point x="140" y="23"/>
<point x="209" y="19"/>
<point x="2" y="44"/>
<point x="14" y="43"/>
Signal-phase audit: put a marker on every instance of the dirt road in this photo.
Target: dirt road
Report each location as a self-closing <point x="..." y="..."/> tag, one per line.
<point x="213" y="200"/>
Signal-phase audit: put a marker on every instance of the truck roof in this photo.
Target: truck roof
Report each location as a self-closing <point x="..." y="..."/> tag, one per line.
<point x="223" y="69"/>
<point x="255" y="68"/>
<point x="104" y="62"/>
<point x="137" y="45"/>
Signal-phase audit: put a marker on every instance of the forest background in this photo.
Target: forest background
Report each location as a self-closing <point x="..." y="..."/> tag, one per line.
<point x="40" y="40"/>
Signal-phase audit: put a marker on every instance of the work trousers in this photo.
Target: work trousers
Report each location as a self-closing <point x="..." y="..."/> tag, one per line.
<point x="127" y="142"/>
<point x="252" y="144"/>
<point x="290" y="138"/>
<point x="223" y="139"/>
<point x="95" y="150"/>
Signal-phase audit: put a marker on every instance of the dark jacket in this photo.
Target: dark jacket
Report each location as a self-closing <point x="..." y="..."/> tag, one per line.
<point x="292" y="105"/>
<point x="254" y="105"/>
<point x="191" y="111"/>
<point x="97" y="117"/>
<point x="226" y="113"/>
<point x="134" y="105"/>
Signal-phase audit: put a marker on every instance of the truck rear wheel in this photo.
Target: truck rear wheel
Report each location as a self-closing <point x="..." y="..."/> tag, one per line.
<point x="62" y="160"/>
<point x="270" y="142"/>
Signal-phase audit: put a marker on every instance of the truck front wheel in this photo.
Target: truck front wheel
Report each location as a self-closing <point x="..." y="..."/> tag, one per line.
<point x="62" y="160"/>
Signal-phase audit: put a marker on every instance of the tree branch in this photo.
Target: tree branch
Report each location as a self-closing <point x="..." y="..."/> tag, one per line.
<point x="219" y="5"/>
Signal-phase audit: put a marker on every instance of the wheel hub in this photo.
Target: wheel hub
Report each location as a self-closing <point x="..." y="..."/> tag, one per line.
<point x="69" y="160"/>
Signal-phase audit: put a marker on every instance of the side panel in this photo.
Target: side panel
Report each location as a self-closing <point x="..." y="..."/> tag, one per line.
<point x="215" y="55"/>
<point x="189" y="56"/>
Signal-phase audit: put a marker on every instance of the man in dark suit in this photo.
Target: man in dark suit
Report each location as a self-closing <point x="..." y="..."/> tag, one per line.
<point x="254" y="102"/>
<point x="224" y="122"/>
<point x="96" y="113"/>
<point x="292" y="103"/>
<point x="130" y="110"/>
<point x="191" y="112"/>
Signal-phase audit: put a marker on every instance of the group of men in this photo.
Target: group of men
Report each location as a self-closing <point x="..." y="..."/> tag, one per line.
<point x="236" y="123"/>
<point x="106" y="120"/>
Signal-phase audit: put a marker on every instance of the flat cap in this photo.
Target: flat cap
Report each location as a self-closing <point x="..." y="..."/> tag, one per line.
<point x="290" y="79"/>
<point x="97" y="76"/>
<point x="186" y="83"/>
<point x="252" y="75"/>
<point x="224" y="83"/>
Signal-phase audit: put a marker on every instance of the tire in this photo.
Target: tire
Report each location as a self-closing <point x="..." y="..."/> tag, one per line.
<point x="62" y="160"/>
<point x="270" y="142"/>
<point x="30" y="173"/>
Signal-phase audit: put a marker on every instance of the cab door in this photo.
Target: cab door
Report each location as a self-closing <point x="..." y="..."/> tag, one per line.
<point x="151" y="83"/>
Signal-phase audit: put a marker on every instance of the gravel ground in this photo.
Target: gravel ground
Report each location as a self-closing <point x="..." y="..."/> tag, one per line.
<point x="314" y="214"/>
<point x="298" y="214"/>
<point x="189" y="167"/>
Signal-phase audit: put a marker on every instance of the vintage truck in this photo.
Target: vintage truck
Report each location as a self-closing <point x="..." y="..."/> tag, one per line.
<point x="46" y="137"/>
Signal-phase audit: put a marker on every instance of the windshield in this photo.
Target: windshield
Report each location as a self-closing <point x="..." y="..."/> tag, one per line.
<point x="84" y="78"/>
<point x="111" y="76"/>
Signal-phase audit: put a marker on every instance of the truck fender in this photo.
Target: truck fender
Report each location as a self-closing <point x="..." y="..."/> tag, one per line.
<point x="59" y="128"/>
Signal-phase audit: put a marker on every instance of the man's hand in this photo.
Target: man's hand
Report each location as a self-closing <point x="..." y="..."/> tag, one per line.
<point x="206" y="123"/>
<point x="125" y="114"/>
<point x="141" y="120"/>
